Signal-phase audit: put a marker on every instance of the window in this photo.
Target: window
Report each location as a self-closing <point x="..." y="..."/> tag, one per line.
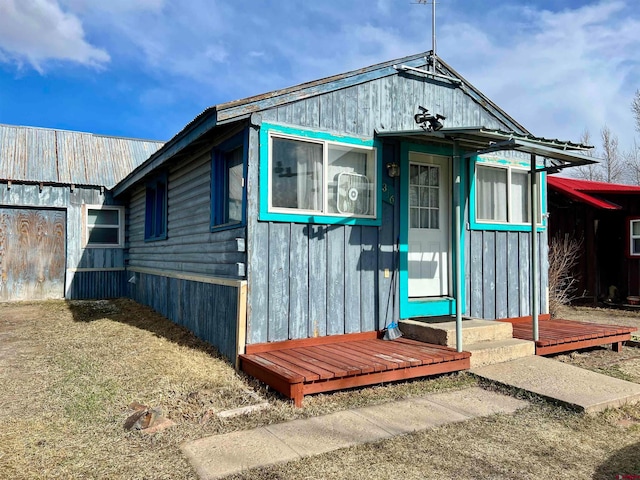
<point x="634" y="237"/>
<point x="104" y="226"/>
<point x="227" y="184"/>
<point x="155" y="218"/>
<point x="502" y="195"/>
<point x="316" y="176"/>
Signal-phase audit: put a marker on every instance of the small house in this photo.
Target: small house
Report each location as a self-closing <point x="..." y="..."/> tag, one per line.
<point x="605" y="218"/>
<point x="341" y="205"/>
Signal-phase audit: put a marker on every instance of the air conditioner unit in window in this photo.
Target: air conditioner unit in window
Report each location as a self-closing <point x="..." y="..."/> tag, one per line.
<point x="353" y="194"/>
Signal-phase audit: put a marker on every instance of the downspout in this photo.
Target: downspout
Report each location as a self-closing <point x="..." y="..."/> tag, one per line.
<point x="457" y="195"/>
<point x="535" y="288"/>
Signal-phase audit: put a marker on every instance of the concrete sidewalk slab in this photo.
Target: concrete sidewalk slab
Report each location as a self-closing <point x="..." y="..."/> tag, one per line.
<point x="316" y="435"/>
<point x="222" y="455"/>
<point x="578" y="388"/>
<point x="408" y="416"/>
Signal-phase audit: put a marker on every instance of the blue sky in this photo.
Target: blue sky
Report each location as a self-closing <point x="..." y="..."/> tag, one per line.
<point x="144" y="68"/>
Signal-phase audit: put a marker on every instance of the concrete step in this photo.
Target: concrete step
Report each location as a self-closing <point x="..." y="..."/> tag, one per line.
<point x="498" y="351"/>
<point x="444" y="333"/>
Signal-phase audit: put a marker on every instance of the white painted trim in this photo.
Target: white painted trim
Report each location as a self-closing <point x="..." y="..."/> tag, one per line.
<point x="190" y="277"/>
<point x="120" y="226"/>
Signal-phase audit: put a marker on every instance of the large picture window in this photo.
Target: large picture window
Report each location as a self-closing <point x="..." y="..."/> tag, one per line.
<point x="502" y="195"/>
<point x="316" y="176"/>
<point x="104" y="226"/>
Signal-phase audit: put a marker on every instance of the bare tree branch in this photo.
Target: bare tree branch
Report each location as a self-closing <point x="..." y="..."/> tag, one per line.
<point x="635" y="108"/>
<point x="610" y="156"/>
<point x="592" y="172"/>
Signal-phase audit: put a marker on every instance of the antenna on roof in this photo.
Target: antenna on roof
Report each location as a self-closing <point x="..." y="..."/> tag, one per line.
<point x="433" y="30"/>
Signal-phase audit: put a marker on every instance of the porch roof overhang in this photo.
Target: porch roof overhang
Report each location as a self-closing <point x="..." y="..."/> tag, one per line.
<point x="557" y="154"/>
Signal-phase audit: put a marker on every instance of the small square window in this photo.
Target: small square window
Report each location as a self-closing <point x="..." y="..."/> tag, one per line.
<point x="104" y="226"/>
<point x="155" y="220"/>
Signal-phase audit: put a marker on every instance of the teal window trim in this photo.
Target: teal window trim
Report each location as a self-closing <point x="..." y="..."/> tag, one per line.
<point x="155" y="222"/>
<point x="275" y="216"/>
<point x="503" y="227"/>
<point x="430" y="306"/>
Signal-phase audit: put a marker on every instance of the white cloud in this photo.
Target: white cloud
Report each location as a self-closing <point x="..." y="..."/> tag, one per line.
<point x="565" y="72"/>
<point x="38" y="31"/>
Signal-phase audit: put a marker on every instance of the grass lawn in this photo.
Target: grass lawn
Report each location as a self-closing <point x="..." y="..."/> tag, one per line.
<point x="69" y="370"/>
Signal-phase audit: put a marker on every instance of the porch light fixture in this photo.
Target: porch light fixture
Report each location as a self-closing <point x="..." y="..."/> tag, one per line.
<point x="393" y="169"/>
<point x="428" y="122"/>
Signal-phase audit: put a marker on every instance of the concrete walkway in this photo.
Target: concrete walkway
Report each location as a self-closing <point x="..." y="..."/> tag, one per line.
<point x="222" y="455"/>
<point x="580" y="389"/>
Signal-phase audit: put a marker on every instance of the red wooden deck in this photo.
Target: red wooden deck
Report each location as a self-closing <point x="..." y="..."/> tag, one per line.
<point x="296" y="368"/>
<point x="557" y="335"/>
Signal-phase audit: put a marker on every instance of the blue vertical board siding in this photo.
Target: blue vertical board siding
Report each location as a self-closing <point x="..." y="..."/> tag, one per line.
<point x="279" y="277"/>
<point x="335" y="280"/>
<point x="352" y="266"/>
<point x="501" y="307"/>
<point x="208" y="310"/>
<point x="489" y="275"/>
<point x="525" y="262"/>
<point x="513" y="275"/>
<point x="368" y="266"/>
<point x="317" y="280"/>
<point x="97" y="285"/>
<point x="299" y="283"/>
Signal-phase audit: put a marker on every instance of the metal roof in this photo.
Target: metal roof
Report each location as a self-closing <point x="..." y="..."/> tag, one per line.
<point x="236" y="110"/>
<point x="585" y="191"/>
<point x="33" y="154"/>
<point x="484" y="140"/>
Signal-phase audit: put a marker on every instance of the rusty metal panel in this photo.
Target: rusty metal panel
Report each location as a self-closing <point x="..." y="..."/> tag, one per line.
<point x="57" y="156"/>
<point x="32" y="254"/>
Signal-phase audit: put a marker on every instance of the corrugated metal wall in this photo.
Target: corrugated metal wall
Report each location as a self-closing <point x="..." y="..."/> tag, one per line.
<point x="58" y="156"/>
<point x="77" y="284"/>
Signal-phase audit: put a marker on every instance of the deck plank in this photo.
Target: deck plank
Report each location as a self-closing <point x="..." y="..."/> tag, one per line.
<point x="560" y="335"/>
<point x="298" y="368"/>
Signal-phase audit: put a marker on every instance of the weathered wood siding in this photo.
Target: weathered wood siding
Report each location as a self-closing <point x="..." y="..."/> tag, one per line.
<point x="314" y="280"/>
<point x="190" y="246"/>
<point x="104" y="264"/>
<point x="497" y="273"/>
<point x="210" y="311"/>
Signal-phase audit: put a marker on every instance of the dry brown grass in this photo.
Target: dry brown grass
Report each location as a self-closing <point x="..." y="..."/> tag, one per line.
<point x="68" y="372"/>
<point x="540" y="442"/>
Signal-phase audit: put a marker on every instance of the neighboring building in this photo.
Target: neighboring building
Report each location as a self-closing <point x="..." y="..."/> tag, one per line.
<point x="61" y="233"/>
<point x="605" y="217"/>
<point x="321" y="209"/>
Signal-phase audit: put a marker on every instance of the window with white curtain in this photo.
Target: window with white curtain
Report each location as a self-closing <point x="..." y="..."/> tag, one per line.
<point x="503" y="195"/>
<point x="309" y="175"/>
